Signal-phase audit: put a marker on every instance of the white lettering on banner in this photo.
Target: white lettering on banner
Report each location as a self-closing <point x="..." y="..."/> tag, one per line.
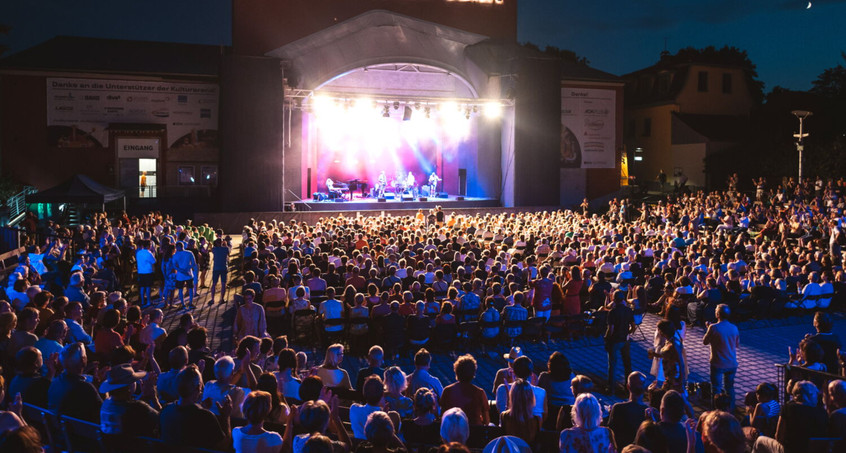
<point x="80" y="110"/>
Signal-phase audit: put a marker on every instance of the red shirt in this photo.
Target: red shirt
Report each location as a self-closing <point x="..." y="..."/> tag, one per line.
<point x="469" y="398"/>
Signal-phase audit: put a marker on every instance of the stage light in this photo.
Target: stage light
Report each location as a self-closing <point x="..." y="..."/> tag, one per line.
<point x="428" y="112"/>
<point x="493" y="110"/>
<point x="386" y="112"/>
<point x="396" y="105"/>
<point x="467" y="113"/>
<point x="406" y="113"/>
<point x="450" y="107"/>
<point x="323" y="105"/>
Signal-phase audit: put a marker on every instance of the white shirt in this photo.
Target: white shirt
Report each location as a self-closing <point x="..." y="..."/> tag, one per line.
<point x="218" y="393"/>
<point x="145" y="260"/>
<point x="332" y="309"/>
<point x="266" y="442"/>
<point x="502" y="399"/>
<point x="358" y="417"/>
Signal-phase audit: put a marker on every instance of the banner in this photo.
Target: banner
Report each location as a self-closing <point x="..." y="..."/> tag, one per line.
<point x="588" y="128"/>
<point x="79" y="111"/>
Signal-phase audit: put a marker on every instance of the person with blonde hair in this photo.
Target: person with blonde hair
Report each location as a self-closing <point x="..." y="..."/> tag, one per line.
<point x="455" y="427"/>
<point x="395" y="385"/>
<point x="586" y="435"/>
<point x="253" y="437"/>
<point x="519" y="419"/>
<point x="330" y="372"/>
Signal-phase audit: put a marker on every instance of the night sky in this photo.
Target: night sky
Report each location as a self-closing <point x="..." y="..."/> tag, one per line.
<point x="790" y="44"/>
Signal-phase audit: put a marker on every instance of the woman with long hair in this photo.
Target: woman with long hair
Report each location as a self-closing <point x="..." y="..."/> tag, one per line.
<point x="330" y="372"/>
<point x="518" y="420"/>
<point x="572" y="288"/>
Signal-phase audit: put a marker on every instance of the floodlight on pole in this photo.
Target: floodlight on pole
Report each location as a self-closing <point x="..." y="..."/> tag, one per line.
<point x="800" y="145"/>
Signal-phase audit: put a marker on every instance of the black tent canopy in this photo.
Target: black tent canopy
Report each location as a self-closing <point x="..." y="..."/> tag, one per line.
<point x="78" y="189"/>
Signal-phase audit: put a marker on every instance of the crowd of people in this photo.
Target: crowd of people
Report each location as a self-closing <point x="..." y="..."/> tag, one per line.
<point x="70" y="342"/>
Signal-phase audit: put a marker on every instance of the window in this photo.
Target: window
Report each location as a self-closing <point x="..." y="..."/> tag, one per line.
<point x="727" y="83"/>
<point x="703" y="81"/>
<point x="647" y="127"/>
<point x="631" y="129"/>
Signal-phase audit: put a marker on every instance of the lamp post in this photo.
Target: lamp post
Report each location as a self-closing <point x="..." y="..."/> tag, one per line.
<point x="800" y="146"/>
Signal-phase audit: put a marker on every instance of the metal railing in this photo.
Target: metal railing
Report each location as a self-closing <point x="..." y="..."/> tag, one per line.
<point x="787" y="373"/>
<point x="17" y="205"/>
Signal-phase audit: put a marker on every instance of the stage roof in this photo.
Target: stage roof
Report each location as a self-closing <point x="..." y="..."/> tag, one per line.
<point x="376" y="38"/>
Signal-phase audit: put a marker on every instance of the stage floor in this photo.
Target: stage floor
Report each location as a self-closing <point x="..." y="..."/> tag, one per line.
<point x="370" y="204"/>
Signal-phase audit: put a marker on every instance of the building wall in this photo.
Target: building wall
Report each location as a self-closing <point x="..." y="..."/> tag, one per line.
<point x="691" y="160"/>
<point x="657" y="147"/>
<point x="259" y="26"/>
<point x="714" y="101"/>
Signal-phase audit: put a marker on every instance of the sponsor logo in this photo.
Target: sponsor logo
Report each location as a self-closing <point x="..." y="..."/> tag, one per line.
<point x="64" y="108"/>
<point x="182" y="99"/>
<point x="137" y="111"/>
<point x="207" y="101"/>
<point x="182" y="113"/>
<point x="60" y="97"/>
<point x="205" y="113"/>
<point x="158" y="100"/>
<point x="89" y="97"/>
<point x="596" y="111"/>
<point x="161" y="113"/>
<point x="114" y="109"/>
<point x="113" y="97"/>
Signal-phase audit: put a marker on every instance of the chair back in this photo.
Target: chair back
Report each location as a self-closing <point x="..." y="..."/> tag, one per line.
<point x="81" y="435"/>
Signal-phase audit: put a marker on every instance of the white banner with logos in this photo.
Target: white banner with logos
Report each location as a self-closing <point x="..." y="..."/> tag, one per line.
<point x="588" y="128"/>
<point x="142" y="148"/>
<point x="79" y="111"/>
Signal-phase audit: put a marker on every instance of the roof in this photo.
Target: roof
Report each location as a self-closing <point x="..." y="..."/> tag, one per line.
<point x="571" y="70"/>
<point x="78" y="189"/>
<point x="373" y="38"/>
<point x="713" y="128"/>
<point x="81" y="54"/>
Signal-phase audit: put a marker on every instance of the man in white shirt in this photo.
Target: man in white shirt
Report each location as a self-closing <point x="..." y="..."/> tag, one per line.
<point x="145" y="261"/>
<point x="331" y="308"/>
<point x="421" y="378"/>
<point x="372" y="391"/>
<point x="153" y="333"/>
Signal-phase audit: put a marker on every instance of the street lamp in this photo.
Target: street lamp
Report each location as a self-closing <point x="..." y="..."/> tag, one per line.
<point x="801" y="114"/>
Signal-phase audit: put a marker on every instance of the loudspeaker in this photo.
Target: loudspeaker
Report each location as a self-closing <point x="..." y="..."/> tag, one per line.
<point x="407" y="197"/>
<point x="459" y="198"/>
<point x="422" y="199"/>
<point x="381" y="200"/>
<point x="318" y="196"/>
<point x="443" y="195"/>
<point x="462" y="181"/>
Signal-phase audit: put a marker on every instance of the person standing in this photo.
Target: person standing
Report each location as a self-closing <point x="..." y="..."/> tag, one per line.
<point x="220" y="253"/>
<point x="186" y="273"/>
<point x="145" y="262"/>
<point x="542" y="297"/>
<point x="621" y="324"/>
<point x="724" y="339"/>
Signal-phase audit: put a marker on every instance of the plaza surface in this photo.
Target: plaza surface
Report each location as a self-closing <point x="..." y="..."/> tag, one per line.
<point x="763" y="344"/>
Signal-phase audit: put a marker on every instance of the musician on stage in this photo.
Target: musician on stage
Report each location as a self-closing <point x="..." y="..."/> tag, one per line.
<point x="411" y="185"/>
<point x="399" y="182"/>
<point x="433" y="183"/>
<point x="333" y="192"/>
<point x="381" y="184"/>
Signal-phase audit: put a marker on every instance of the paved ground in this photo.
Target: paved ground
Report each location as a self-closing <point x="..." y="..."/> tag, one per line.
<point x="763" y="344"/>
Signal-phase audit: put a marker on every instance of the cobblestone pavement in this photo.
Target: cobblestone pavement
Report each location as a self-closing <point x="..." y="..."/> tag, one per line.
<point x="763" y="344"/>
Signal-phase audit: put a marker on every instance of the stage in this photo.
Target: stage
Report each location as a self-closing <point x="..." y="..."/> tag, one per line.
<point x="373" y="204"/>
